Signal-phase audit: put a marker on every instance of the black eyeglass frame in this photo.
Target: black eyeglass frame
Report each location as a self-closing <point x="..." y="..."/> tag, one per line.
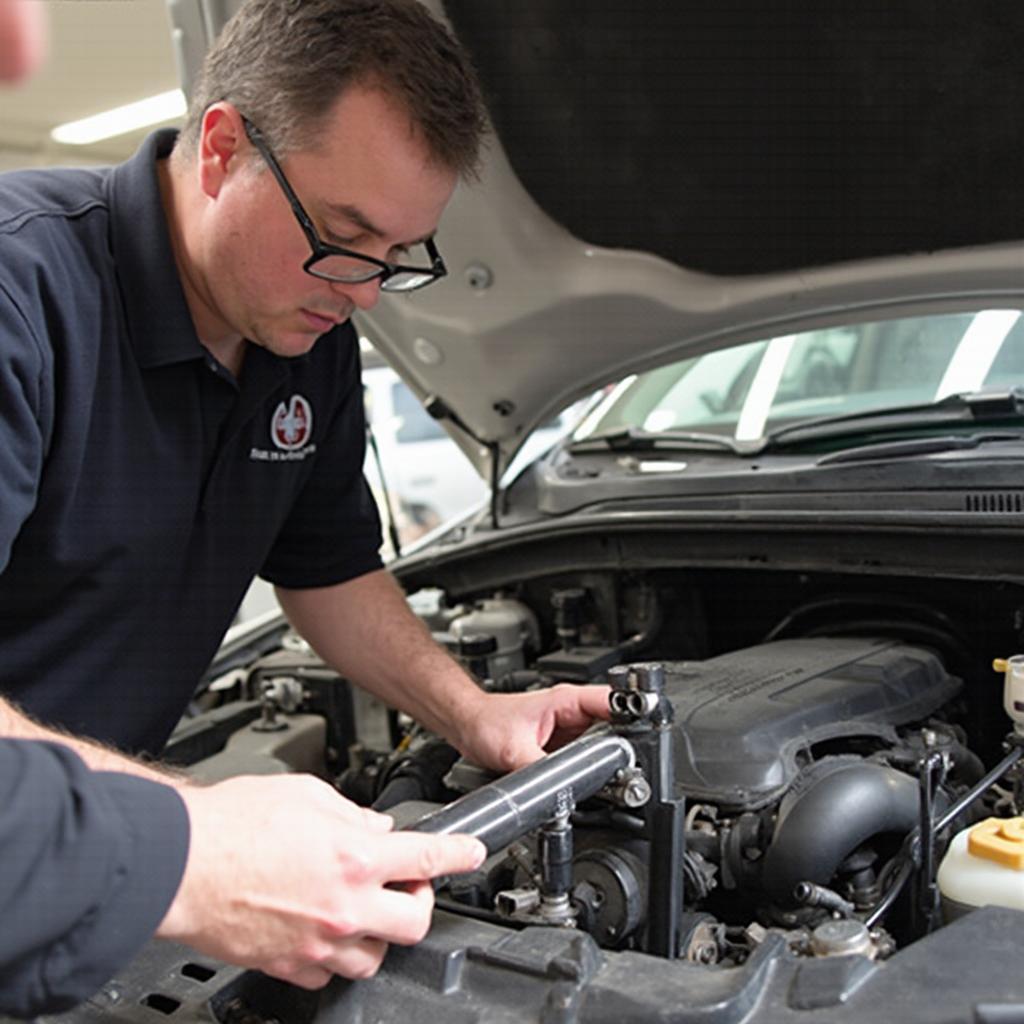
<point x="321" y="249"/>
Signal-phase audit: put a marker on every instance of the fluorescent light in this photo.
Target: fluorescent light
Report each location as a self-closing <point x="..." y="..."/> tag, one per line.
<point x="128" y="118"/>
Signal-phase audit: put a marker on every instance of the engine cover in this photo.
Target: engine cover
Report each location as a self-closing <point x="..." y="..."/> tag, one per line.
<point x="741" y="719"/>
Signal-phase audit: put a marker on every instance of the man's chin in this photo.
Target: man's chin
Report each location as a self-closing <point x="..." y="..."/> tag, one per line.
<point x="290" y="345"/>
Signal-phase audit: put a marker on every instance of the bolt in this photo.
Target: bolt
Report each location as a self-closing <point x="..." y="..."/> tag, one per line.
<point x="636" y="793"/>
<point x="618" y="678"/>
<point x="706" y="954"/>
<point x="479" y="277"/>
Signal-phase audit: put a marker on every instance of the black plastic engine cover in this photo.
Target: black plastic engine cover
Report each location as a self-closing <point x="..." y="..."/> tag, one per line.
<point x="741" y="719"/>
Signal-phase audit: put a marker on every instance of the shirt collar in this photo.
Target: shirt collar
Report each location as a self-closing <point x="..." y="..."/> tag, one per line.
<point x="159" y="323"/>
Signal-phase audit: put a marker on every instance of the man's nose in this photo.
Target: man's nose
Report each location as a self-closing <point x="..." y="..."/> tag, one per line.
<point x="364" y="296"/>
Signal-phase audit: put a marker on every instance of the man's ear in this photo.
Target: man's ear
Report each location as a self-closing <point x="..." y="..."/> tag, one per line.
<point x="221" y="141"/>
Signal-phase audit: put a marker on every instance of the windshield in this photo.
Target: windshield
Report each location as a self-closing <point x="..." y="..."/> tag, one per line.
<point x="748" y="391"/>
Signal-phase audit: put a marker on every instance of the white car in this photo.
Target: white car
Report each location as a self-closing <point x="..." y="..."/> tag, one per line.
<point x="426" y="476"/>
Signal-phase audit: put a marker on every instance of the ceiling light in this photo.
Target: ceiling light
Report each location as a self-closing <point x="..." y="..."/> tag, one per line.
<point x="128" y="118"/>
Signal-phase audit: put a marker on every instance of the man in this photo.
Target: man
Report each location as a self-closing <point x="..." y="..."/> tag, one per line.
<point x="182" y="405"/>
<point x="280" y="873"/>
<point x="180" y="408"/>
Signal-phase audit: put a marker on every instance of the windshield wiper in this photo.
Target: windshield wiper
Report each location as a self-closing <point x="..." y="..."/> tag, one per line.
<point x="635" y="439"/>
<point x="915" y="446"/>
<point x="970" y="408"/>
<point x="976" y="407"/>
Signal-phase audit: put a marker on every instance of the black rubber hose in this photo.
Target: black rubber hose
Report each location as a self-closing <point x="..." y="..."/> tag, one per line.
<point x="830" y="819"/>
<point x="417" y="776"/>
<point x="399" y="790"/>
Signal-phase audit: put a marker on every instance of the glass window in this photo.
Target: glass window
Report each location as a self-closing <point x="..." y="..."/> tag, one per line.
<point x="747" y="390"/>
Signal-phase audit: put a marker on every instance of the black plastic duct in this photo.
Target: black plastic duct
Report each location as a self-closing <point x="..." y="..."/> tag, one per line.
<point x="821" y="825"/>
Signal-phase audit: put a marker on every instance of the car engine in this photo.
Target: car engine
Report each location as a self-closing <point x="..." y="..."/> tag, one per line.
<point x="775" y="785"/>
<point x="800" y="787"/>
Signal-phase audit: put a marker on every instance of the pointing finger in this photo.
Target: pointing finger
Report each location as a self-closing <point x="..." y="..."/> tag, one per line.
<point x="583" y="703"/>
<point x="415" y="856"/>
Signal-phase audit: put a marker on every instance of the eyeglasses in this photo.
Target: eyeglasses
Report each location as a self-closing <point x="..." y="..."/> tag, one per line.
<point x="345" y="266"/>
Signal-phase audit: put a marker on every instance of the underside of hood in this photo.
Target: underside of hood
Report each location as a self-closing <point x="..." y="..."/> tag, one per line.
<point x="750" y="138"/>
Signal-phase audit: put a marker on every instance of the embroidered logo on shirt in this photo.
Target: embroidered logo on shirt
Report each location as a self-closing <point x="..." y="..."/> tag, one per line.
<point x="291" y="427"/>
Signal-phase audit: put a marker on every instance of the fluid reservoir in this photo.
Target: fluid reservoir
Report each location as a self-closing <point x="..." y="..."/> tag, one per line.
<point x="513" y="627"/>
<point x="984" y="865"/>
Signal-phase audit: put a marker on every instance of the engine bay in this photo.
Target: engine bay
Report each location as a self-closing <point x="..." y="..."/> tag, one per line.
<point x="767" y="828"/>
<point x="791" y="781"/>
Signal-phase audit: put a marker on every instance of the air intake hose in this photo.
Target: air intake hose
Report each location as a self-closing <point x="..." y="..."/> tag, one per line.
<point x="820" y="826"/>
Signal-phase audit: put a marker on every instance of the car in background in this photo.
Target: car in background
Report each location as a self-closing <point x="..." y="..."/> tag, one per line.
<point x="425" y="475"/>
<point x="834" y="381"/>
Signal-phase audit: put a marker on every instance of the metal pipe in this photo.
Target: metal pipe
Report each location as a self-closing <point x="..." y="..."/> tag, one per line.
<point x="976" y="790"/>
<point x="665" y="881"/>
<point x="554" y="856"/>
<point x="927" y="908"/>
<point x="509" y="807"/>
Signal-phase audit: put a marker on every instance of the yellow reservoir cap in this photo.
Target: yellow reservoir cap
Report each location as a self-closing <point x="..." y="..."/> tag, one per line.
<point x="1000" y="840"/>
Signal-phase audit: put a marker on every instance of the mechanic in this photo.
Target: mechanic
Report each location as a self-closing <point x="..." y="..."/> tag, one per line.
<point x="180" y="409"/>
<point x="181" y="405"/>
<point x="278" y="873"/>
<point x="94" y="863"/>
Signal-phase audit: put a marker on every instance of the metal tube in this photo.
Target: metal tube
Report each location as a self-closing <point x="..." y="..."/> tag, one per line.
<point x="554" y="856"/>
<point x="976" y="790"/>
<point x="927" y="890"/>
<point x="665" y="881"/>
<point x="511" y="806"/>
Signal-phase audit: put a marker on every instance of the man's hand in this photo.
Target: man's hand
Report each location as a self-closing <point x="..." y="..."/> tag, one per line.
<point x="508" y="731"/>
<point x="286" y="876"/>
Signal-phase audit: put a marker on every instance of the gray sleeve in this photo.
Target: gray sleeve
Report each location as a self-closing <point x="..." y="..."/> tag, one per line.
<point x="89" y="864"/>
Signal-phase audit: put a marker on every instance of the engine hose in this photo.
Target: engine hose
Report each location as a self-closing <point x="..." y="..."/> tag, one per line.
<point x="511" y="806"/>
<point x="416" y="776"/>
<point x="832" y="817"/>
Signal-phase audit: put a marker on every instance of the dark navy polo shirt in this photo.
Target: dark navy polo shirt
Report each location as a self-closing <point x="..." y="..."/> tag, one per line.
<point x="142" y="486"/>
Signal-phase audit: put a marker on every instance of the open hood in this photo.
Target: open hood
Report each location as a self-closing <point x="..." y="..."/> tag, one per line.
<point x="666" y="177"/>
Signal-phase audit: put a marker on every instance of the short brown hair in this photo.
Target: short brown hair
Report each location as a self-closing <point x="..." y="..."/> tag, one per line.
<point x="283" y="64"/>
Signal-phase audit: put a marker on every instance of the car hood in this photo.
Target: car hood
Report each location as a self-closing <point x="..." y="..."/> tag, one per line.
<point x="666" y="178"/>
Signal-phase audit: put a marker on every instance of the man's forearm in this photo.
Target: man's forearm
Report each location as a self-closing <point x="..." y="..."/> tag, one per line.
<point x="16" y="724"/>
<point x="365" y="630"/>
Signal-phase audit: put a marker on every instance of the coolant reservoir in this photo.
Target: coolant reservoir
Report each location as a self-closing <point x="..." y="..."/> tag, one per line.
<point x="984" y="865"/>
<point x="512" y="625"/>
